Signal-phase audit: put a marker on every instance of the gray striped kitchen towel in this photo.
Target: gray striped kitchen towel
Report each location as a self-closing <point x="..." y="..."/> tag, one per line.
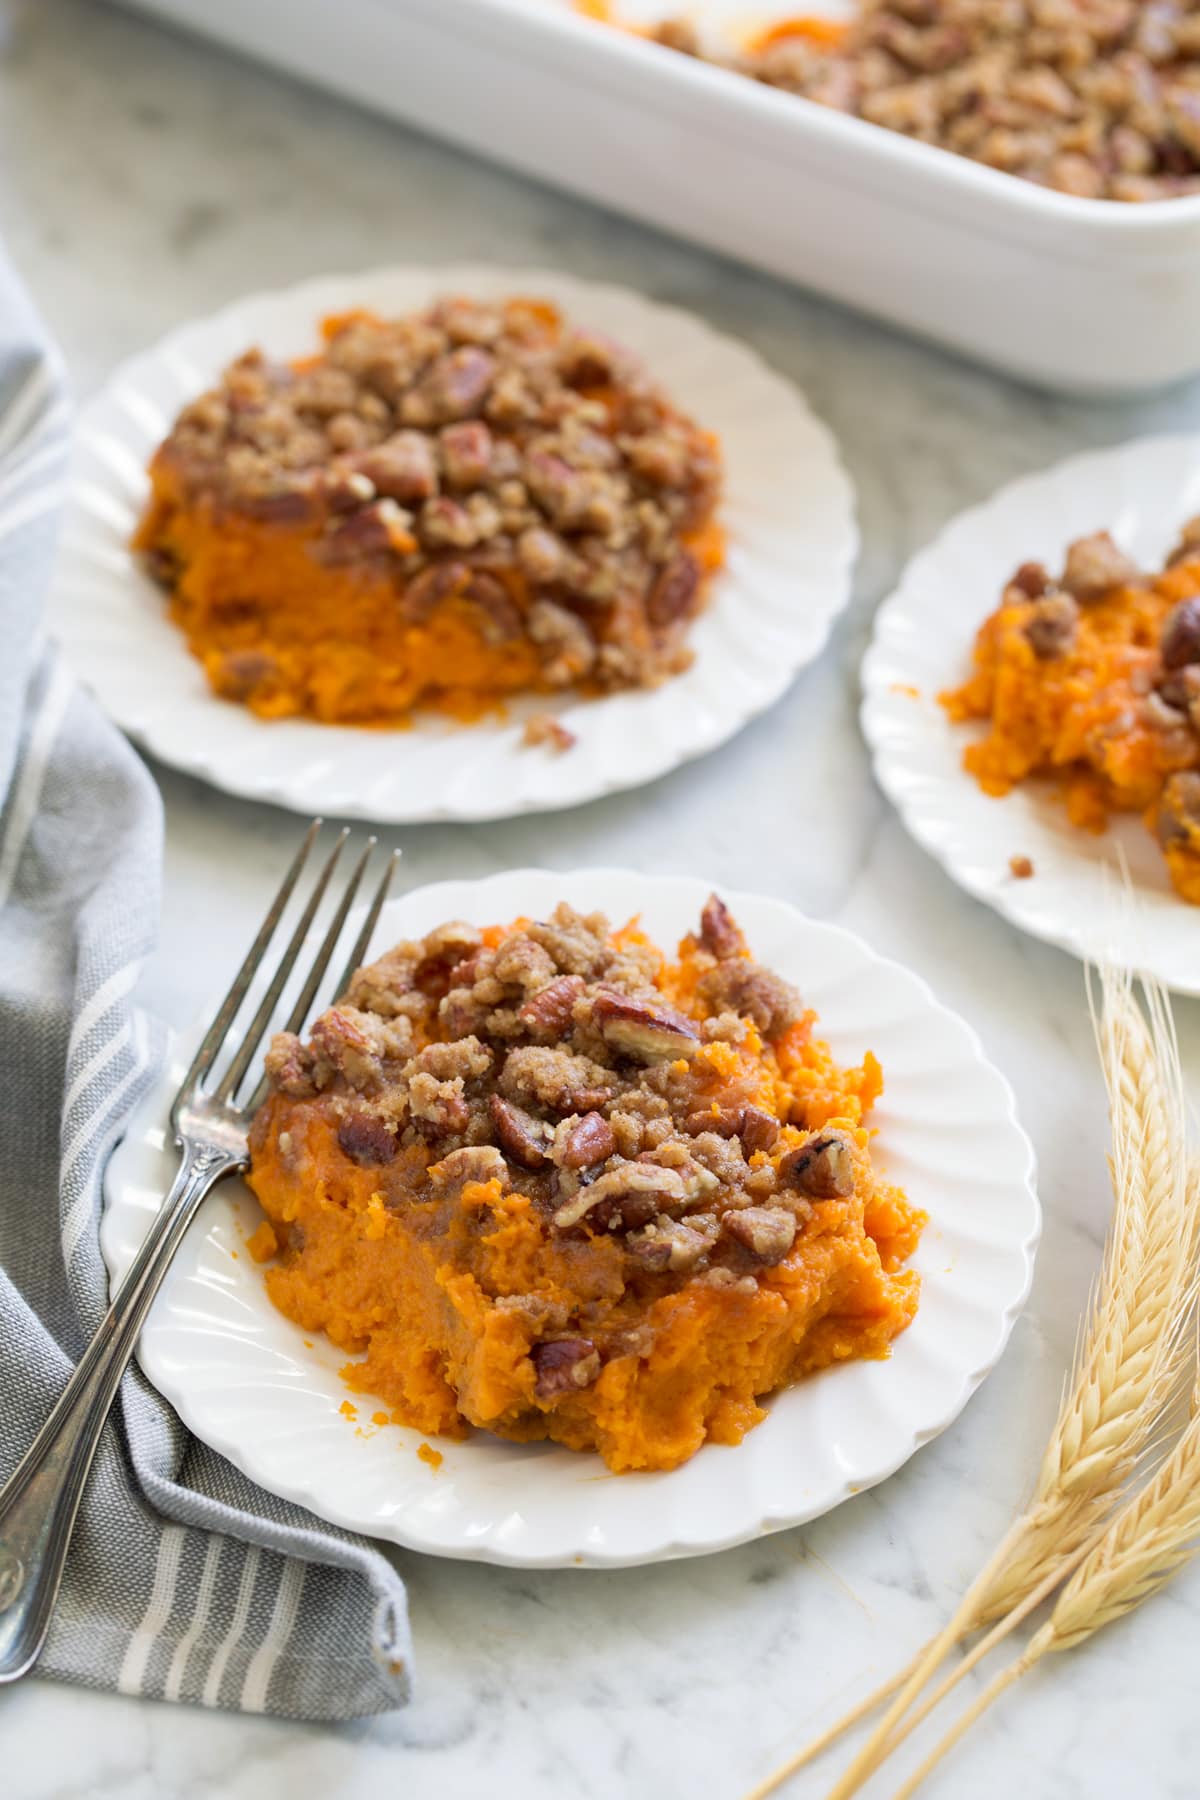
<point x="185" y="1581"/>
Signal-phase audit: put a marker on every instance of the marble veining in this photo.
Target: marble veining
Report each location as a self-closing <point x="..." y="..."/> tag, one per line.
<point x="144" y="179"/>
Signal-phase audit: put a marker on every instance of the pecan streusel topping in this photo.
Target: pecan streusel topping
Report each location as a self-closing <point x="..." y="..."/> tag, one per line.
<point x="555" y="1185"/>
<point x="1099" y="98"/>
<point x="439" y="508"/>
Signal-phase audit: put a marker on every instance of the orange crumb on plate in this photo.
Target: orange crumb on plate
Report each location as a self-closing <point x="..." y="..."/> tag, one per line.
<point x="262" y="1244"/>
<point x="348" y="1409"/>
<point x="1021" y="867"/>
<point x="429" y="1455"/>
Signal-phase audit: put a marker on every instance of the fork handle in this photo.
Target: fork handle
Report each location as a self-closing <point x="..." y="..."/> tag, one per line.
<point x="38" y="1505"/>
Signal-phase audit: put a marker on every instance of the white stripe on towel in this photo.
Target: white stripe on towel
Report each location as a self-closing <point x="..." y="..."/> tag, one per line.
<point x="32" y="777"/>
<point x="283" y="1616"/>
<point x="233" y="1637"/>
<point x="173" y="1686"/>
<point x="94" y="1065"/>
<point x="89" y="1130"/>
<point x="132" y="1672"/>
<point x="106" y="995"/>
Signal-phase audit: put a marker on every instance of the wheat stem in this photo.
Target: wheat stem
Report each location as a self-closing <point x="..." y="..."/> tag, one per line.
<point x="1145" y="1545"/>
<point x="983" y="1646"/>
<point x="1128" y="1362"/>
<point x="1127" y="1366"/>
<point x="975" y="1711"/>
<point x="814" y="1749"/>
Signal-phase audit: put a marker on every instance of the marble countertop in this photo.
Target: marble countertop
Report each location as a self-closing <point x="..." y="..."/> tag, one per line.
<point x="145" y="179"/>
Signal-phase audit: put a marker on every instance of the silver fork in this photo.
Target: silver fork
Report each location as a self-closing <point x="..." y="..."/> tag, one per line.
<point x="210" y="1122"/>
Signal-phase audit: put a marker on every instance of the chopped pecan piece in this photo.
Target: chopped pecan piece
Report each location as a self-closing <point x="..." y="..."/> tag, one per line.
<point x="673" y="1246"/>
<point x="767" y="1232"/>
<point x="673" y="596"/>
<point x="1031" y="580"/>
<point x="626" y="1196"/>
<point x="366" y="1139"/>
<point x="589" y="1141"/>
<point x="403" y="466"/>
<point x="381" y="529"/>
<point x="290" y="1064"/>
<point x="466" y="453"/>
<point x="758" y="994"/>
<point x="564" y="1366"/>
<point x="544" y="731"/>
<point x="521" y="1136"/>
<point x="758" y="1129"/>
<point x="454" y="386"/>
<point x="726" y="1121"/>
<point x="548" y="1013"/>
<point x="642" y="1029"/>
<point x="349" y="1043"/>
<point x="473" y="1162"/>
<point x="346" y="489"/>
<point x="1179" y="690"/>
<point x="720" y="933"/>
<point x="567" y="646"/>
<point x="433" y="585"/>
<point x="1178" y="816"/>
<point x="1096" y="565"/>
<point x="1181" y="635"/>
<point x="543" y="555"/>
<point x="1052" y="625"/>
<point x="822" y="1168"/>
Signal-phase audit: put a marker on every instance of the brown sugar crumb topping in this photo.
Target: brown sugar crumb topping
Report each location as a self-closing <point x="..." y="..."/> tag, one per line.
<point x="1097" y="98"/>
<point x="482" y="461"/>
<point x="544" y="731"/>
<point x="548" y="1057"/>
<point x="553" y="1184"/>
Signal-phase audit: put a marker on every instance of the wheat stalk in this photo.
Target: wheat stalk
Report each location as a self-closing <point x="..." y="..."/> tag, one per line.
<point x="1145" y="1545"/>
<point x="1127" y="1365"/>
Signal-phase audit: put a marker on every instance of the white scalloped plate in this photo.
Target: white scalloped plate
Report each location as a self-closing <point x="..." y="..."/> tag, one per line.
<point x="1142" y="492"/>
<point x="788" y="512"/>
<point x="250" y="1384"/>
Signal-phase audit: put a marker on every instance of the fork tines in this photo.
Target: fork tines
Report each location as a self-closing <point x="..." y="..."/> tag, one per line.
<point x="226" y="1090"/>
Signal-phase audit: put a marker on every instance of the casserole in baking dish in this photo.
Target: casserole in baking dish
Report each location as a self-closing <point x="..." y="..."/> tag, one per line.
<point x="1075" y="294"/>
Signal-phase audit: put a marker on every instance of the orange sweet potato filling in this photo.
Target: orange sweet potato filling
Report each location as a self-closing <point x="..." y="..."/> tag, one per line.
<point x="1080" y="718"/>
<point x="342" y="649"/>
<point x="412" y="1285"/>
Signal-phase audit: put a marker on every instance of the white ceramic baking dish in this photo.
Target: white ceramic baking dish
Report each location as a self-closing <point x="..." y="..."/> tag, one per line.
<point x="1081" y="295"/>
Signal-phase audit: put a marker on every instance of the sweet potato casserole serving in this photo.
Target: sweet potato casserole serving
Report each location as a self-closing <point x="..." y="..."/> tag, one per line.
<point x="546" y="1182"/>
<point x="440" y="509"/>
<point x="1099" y="98"/>
<point x="1093" y="677"/>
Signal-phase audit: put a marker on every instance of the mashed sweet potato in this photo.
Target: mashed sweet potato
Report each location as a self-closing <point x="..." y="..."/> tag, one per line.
<point x="542" y="1181"/>
<point x="438" y="510"/>
<point x="1093" y="678"/>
